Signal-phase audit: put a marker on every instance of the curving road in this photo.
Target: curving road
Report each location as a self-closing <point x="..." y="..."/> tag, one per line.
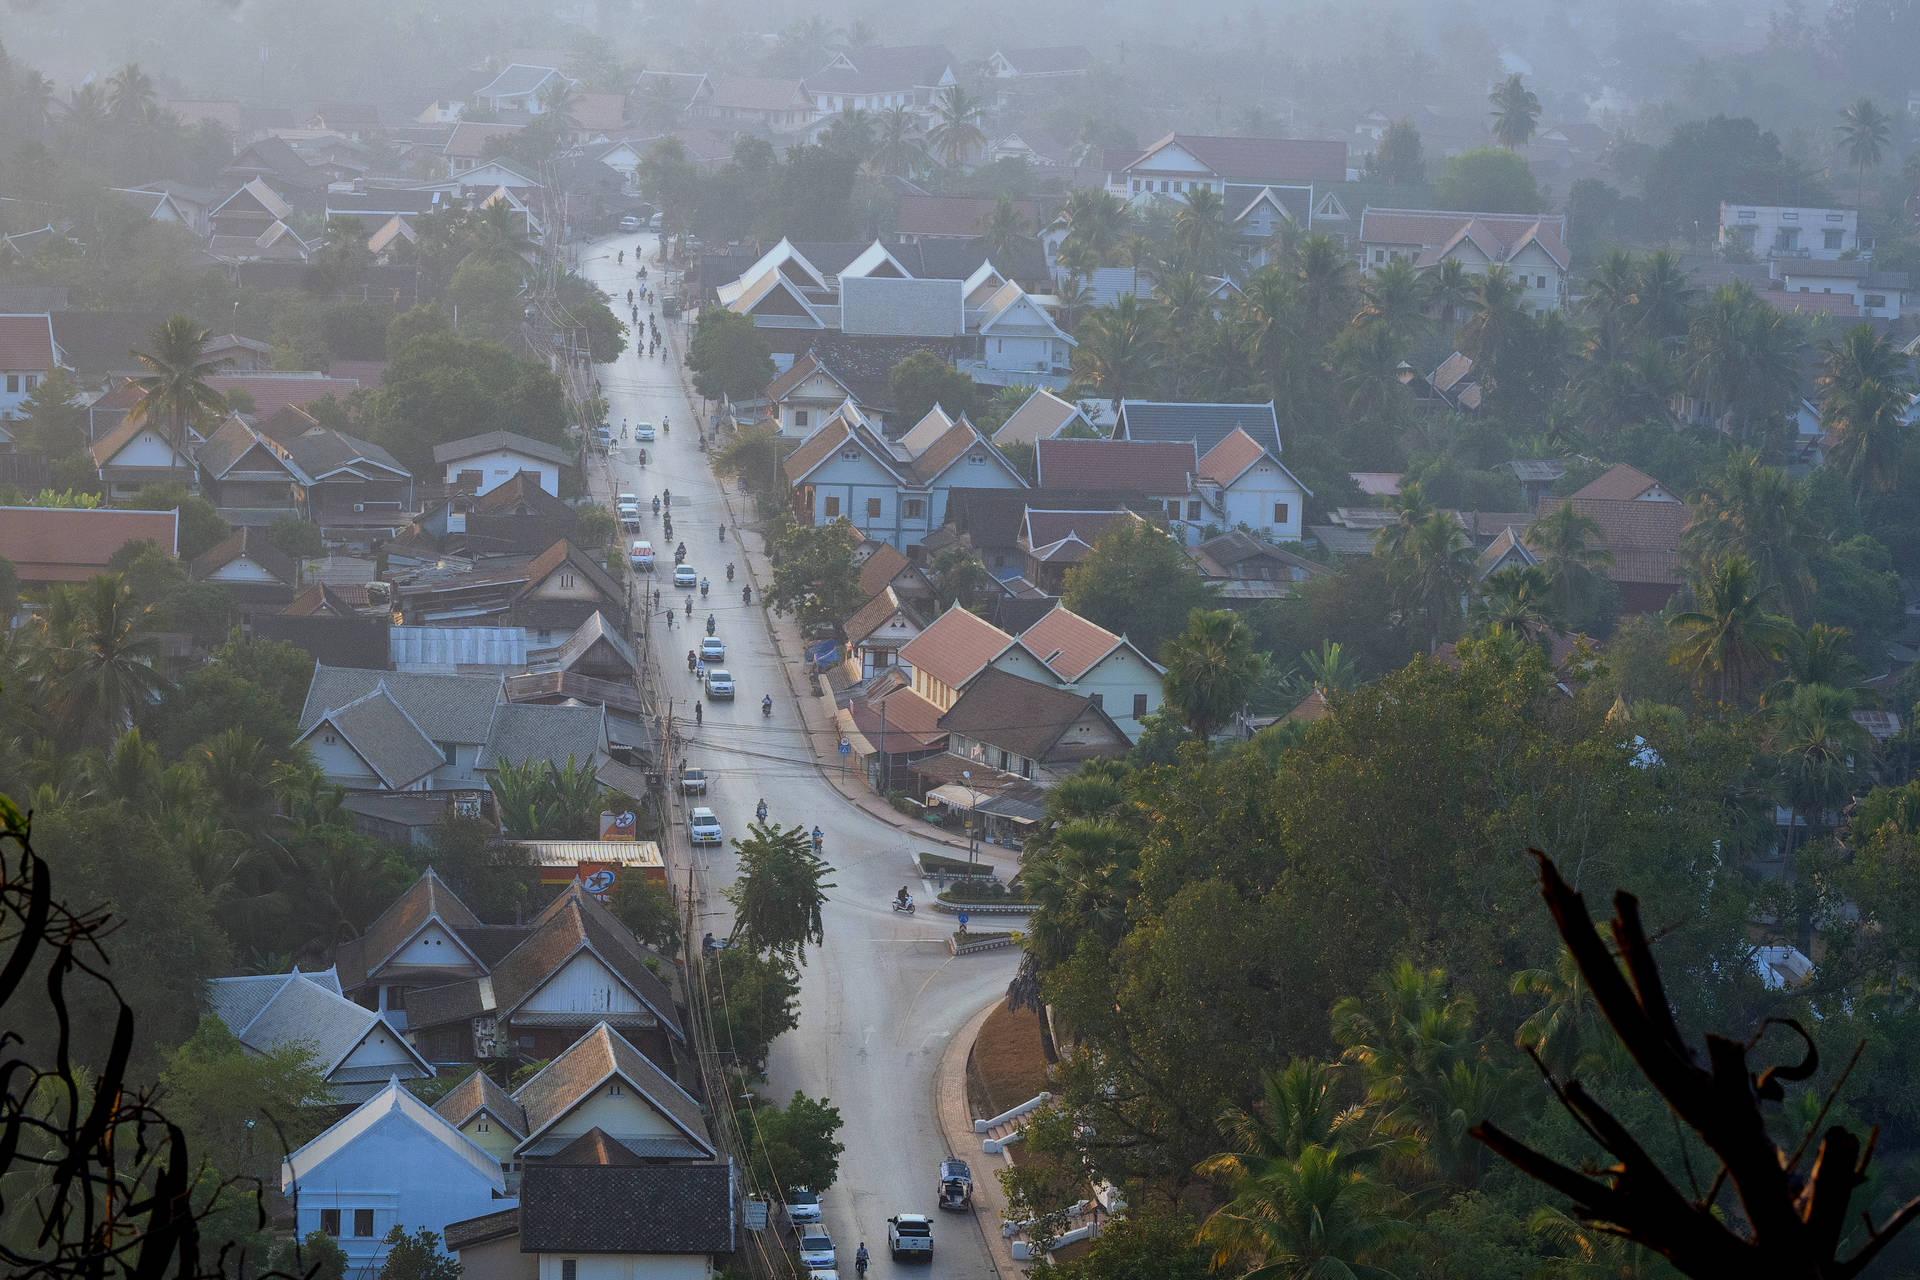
<point x="882" y="998"/>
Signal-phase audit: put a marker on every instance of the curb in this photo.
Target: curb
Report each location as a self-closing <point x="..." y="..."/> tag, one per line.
<point x="975" y="908"/>
<point x="971" y="948"/>
<point x="956" y="1126"/>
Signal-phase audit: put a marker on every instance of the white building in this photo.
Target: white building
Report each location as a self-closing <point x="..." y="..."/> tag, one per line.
<point x="1533" y="250"/>
<point x="1884" y="295"/>
<point x="1784" y="231"/>
<point x="28" y="353"/>
<point x="484" y="462"/>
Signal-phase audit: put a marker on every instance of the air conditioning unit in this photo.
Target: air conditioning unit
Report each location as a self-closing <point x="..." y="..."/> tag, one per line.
<point x="359" y="506"/>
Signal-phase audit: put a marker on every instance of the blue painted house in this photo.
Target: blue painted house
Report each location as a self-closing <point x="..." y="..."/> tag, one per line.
<point x="391" y="1162"/>
<point x="894" y="491"/>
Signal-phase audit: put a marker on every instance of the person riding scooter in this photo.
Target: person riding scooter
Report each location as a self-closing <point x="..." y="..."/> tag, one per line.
<point x="693" y="659"/>
<point x="699" y="715"/>
<point x="729" y="571"/>
<point x="709" y="624"/>
<point x="746" y="595"/>
<point x="766" y="705"/>
<point x="760" y="812"/>
<point x="860" y="1258"/>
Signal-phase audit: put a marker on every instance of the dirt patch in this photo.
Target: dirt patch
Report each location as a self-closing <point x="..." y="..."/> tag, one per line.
<point x="1075" y="1252"/>
<point x="1008" y="1063"/>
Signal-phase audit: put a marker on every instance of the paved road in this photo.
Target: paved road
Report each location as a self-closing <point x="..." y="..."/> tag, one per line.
<point x="882" y="998"/>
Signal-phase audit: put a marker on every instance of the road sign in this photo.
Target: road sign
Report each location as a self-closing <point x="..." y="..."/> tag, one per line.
<point x="962" y="917"/>
<point x="756" y="1215"/>
<point x="846" y="748"/>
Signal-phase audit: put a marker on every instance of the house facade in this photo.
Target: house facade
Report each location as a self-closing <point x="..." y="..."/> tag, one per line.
<point x="1531" y="249"/>
<point x="1789" y="231"/>
<point x="1180" y="163"/>
<point x="479" y="464"/>
<point x="139" y="452"/>
<point x="28" y="353"/>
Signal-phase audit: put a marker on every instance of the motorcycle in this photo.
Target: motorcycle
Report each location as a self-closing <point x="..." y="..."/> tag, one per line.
<point x="709" y="624"/>
<point x="760" y="813"/>
<point x="643" y="457"/>
<point x="703" y="589"/>
<point x="729" y="571"/>
<point x="766" y="710"/>
<point x="656" y="506"/>
<point x="680" y="556"/>
<point x="723" y="536"/>
<point x="905" y="908"/>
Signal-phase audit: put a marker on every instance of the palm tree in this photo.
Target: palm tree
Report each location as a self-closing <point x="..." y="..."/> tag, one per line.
<point x="1073" y="297"/>
<point x="1663" y="295"/>
<point x="956" y="134"/>
<point x="1312" y="1217"/>
<point x="131" y="93"/>
<point x="849" y="133"/>
<point x="1613" y="294"/>
<point x="1210" y="669"/>
<point x="1557" y="1032"/>
<point x="1449" y="291"/>
<point x="105" y="660"/>
<point x="1516" y="111"/>
<point x="1392" y="295"/>
<point x="1367" y="366"/>
<point x="1867" y="386"/>
<point x="1097" y="221"/>
<point x="1594" y="1253"/>
<point x="1080" y="882"/>
<point x="1818" y="654"/>
<point x="1568" y="544"/>
<point x="1498" y="311"/>
<point x="1728" y="635"/>
<point x="1822" y="752"/>
<point x="560" y="98"/>
<point x="174" y="389"/>
<point x="1411" y="509"/>
<point x="1430" y="573"/>
<point x="1759" y="512"/>
<point x="1118" y="353"/>
<point x="1138" y="252"/>
<point x="1323" y="279"/>
<point x="1865" y="133"/>
<point x="1741" y="358"/>
<point x="1200" y="231"/>
<point x="1004" y="228"/>
<point x="1517" y="601"/>
<point x="896" y="145"/>
<point x="498" y="234"/>
<point x="1330" y="667"/>
<point x="1299" y="1110"/>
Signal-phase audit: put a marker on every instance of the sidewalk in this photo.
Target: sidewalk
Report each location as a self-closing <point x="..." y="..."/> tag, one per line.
<point x="956" y="1125"/>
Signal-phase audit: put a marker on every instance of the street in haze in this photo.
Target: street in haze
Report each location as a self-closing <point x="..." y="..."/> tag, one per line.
<point x="881" y="1000"/>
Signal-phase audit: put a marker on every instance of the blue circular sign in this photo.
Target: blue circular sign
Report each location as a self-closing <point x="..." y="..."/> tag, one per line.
<point x="963" y="917"/>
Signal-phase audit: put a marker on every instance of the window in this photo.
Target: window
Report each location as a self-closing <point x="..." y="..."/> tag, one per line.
<point x="483" y="1127"/>
<point x="566" y="580"/>
<point x="1193" y="509"/>
<point x="1026" y="767"/>
<point x="832" y="508"/>
<point x="13" y="382"/>
<point x="1834" y="240"/>
<point x="914" y="508"/>
<point x="569" y="1269"/>
<point x="849" y="455"/>
<point x="33" y="380"/>
<point x="613" y="1090"/>
<point x="1876" y="300"/>
<point x="1139" y="705"/>
<point x="1280" y="512"/>
<point x="976" y="457"/>
<point x="447" y="750"/>
<point x="330" y="1222"/>
<point x="396" y="997"/>
<point x="363" y="1223"/>
<point x="1006" y="761"/>
<point x="873" y="508"/>
<point x="799" y="417"/>
<point x="1539" y="282"/>
<point x="1791" y="215"/>
<point x="330" y="740"/>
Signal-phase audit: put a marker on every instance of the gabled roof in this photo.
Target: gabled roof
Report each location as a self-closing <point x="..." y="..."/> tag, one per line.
<point x="1020" y="715"/>
<point x="1041" y="417"/>
<point x="593" y="1060"/>
<point x="1008" y="303"/>
<point x="1160" y="467"/>
<point x="595" y="630"/>
<point x="304" y="1012"/>
<point x="516" y="80"/>
<point x="320" y="600"/>
<point x="751" y="294"/>
<point x="873" y="615"/>
<point x="238" y="1001"/>
<point x="1263" y="160"/>
<point x="1234" y="456"/>
<point x="1623" y="483"/>
<point x="26" y="343"/>
<point x="108" y="446"/>
<point x="1065" y="537"/>
<point x="71" y="544"/>
<point x="272" y="392"/>
<point x="682" y="86"/>
<point x="840" y="430"/>
<point x="522" y="488"/>
<point x="470" y="137"/>
<point x="425" y="901"/>
<point x="784" y="258"/>
<point x="874" y="261"/>
<point x="1437" y="231"/>
<point x="798" y="372"/>
<point x="954" y="215"/>
<point x="260" y="193"/>
<point x="565" y="552"/>
<point x="1205" y="424"/>
<point x="614" y="1207"/>
<point x="881" y="568"/>
<point x="886" y="306"/>
<point x="381" y="733"/>
<point x="232" y="442"/>
<point x="1507" y="545"/>
<point x="572" y="922"/>
<point x="248" y="542"/>
<point x="451" y="708"/>
<point x="955" y="647"/>
<point x="479" y="1093"/>
<point x="390" y="1101"/>
<point x="488" y="442"/>
<point x="922" y="435"/>
<point x="326" y="452"/>
<point x="1069" y="645"/>
<point x="1047" y="60"/>
<point x="958" y="441"/>
<point x="874" y="68"/>
<point x="533" y="731"/>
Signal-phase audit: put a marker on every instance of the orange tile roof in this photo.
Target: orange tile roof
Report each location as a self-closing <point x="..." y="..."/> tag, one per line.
<point x="1160" y="467"/>
<point x="955" y="647"/>
<point x="1068" y="644"/>
<point x="1620" y="484"/>
<point x="880" y="568"/>
<point x="815" y="448"/>
<point x="71" y="544"/>
<point x="1229" y="460"/>
<point x="26" y="343"/>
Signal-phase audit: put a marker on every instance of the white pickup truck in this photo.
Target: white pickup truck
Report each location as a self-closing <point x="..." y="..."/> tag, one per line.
<point x="910" y="1235"/>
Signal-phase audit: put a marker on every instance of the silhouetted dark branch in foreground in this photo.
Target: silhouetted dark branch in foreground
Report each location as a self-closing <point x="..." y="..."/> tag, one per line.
<point x="1793" y="1217"/>
<point x="98" y="1177"/>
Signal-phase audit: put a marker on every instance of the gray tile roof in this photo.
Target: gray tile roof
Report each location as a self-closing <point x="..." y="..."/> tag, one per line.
<point x="476" y="1093"/>
<point x="529" y="731"/>
<point x="386" y="737"/>
<point x="320" y="452"/>
<point x="238" y="1001"/>
<point x="486" y="442"/>
<point x="1204" y="424"/>
<point x="449" y="708"/>
<point x="572" y="920"/>
<point x="890" y="306"/>
<point x="590" y="1061"/>
<point x="302" y="1012"/>
<point x="591" y="1208"/>
<point x="427" y="898"/>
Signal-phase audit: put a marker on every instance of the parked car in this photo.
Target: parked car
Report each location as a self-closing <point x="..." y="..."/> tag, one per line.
<point x="603" y="438"/>
<point x="693" y="782"/>
<point x="629" y="517"/>
<point x="641" y="555"/>
<point x="703" y="827"/>
<point x="627" y="499"/>
<point x="713" y="650"/>
<point x="629" y="223"/>
<point x="816" y="1250"/>
<point x="685" y="575"/>
<point x="643" y="432"/>
<point x="910" y="1235"/>
<point x="802" y="1205"/>
<point x="720" y="683"/>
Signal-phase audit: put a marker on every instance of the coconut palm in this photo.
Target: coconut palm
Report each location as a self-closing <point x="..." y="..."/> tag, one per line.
<point x="896" y="142"/>
<point x="1004" y="229"/>
<point x="130" y="93"/>
<point x="1366" y="361"/>
<point x="1818" y="654"/>
<point x="1331" y="668"/>
<point x="1430" y="574"/>
<point x="1411" y="509"/>
<point x="174" y="390"/>
<point x="1867" y="386"/>
<point x="1498" y="312"/>
<point x="1118" y="352"/>
<point x="1516" y="601"/>
<point x="104" y="659"/>
<point x="1392" y="295"/>
<point x="1515" y="112"/>
<point x="1211" y="667"/>
<point x="1073" y="297"/>
<point x="1741" y="357"/>
<point x="1593" y="1253"/>
<point x="1449" y="292"/>
<point x="1097" y="221"/>
<point x="1822" y="752"/>
<point x="560" y="98"/>
<point x="1316" y="1216"/>
<point x="1613" y="295"/>
<point x="1568" y="544"/>
<point x="1759" y="512"/>
<point x="956" y="134"/>
<point x="1663" y="295"/>
<point x="1865" y="133"/>
<point x="1200" y="231"/>
<point x="1323" y="277"/>
<point x="1729" y="636"/>
<point x="1299" y="1109"/>
<point x="851" y="132"/>
<point x="1557" y="1032"/>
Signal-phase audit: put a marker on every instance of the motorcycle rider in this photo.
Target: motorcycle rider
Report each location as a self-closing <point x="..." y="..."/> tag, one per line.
<point x="760" y="811"/>
<point x="692" y="659"/>
<point x="729" y="571"/>
<point x="746" y="595"/>
<point x="723" y="531"/>
<point x="900" y="899"/>
<point x="860" y="1258"/>
<point x="699" y="715"/>
<point x="766" y="704"/>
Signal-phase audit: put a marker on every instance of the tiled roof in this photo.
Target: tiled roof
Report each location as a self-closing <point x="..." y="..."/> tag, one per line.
<point x="1067" y="643"/>
<point x="627" y="1209"/>
<point x="300" y="1010"/>
<point x="1262" y="160"/>
<point x="955" y="215"/>
<point x="1065" y="537"/>
<point x="874" y="69"/>
<point x="817" y="448"/>
<point x="251" y="543"/>
<point x="909" y="723"/>
<point x="1507" y="544"/>
<point x="389" y="1100"/>
<point x="97" y="343"/>
<point x="890" y="306"/>
<point x="1229" y="460"/>
<point x="274" y="392"/>
<point x="477" y="1093"/>
<point x="1536" y="470"/>
<point x="450" y="708"/>
<point x="1205" y="424"/>
<point x="596" y="1056"/>
<point x="326" y="451"/>
<point x="487" y="1227"/>
<point x="1016" y="714"/>
<point x="515" y="80"/>
<point x="487" y="442"/>
<point x="955" y="647"/>
<point x="1644" y="537"/>
<point x="757" y="93"/>
<point x="1159" y="467"/>
<point x="238" y="1001"/>
<point x="530" y="731"/>
<point x="71" y="544"/>
<point x="589" y="633"/>
<point x="875" y="612"/>
<point x="571" y="921"/>
<point x="882" y="567"/>
<point x="1621" y="483"/>
<point x="564" y="551"/>
<point x="1038" y="419"/>
<point x="385" y="736"/>
<point x="108" y="446"/>
<point x="798" y="372"/>
<point x="427" y="898"/>
<point x="1433" y="228"/>
<point x="470" y="137"/>
<point x="952" y="445"/>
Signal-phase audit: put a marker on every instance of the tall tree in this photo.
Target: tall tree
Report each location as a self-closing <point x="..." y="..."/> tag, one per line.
<point x="1515" y="112"/>
<point x="1316" y="1216"/>
<point x="131" y="94"/>
<point x="1866" y="385"/>
<point x="1865" y="133"/>
<point x="1398" y="161"/>
<point x="174" y="389"/>
<point x="1211" y="668"/>
<point x="1200" y="231"/>
<point x="896" y="142"/>
<point x="1822" y="752"/>
<point x="1118" y="352"/>
<point x="1728" y="637"/>
<point x="1005" y="228"/>
<point x="1137" y="582"/>
<point x="1097" y="221"/>
<point x="728" y="356"/>
<point x="1741" y="358"/>
<point x="956" y="136"/>
<point x="781" y="888"/>
<point x="1760" y="512"/>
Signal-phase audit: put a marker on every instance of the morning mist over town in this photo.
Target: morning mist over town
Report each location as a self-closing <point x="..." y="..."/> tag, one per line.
<point x="1093" y="641"/>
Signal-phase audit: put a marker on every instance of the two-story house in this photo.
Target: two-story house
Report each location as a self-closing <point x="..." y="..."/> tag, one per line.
<point x="1086" y="658"/>
<point x="1883" y="295"/>
<point x="1789" y="231"/>
<point x="1161" y="473"/>
<point x="479" y="464"/>
<point x="1018" y="336"/>
<point x="353" y="1048"/>
<point x="1039" y="732"/>
<point x="875" y="78"/>
<point x="1530" y="248"/>
<point x="1183" y="162"/>
<point x="140" y="452"/>
<point x="426" y="938"/>
<point x="392" y="1162"/>
<point x="894" y="491"/>
<point x="28" y="353"/>
<point x="1245" y="485"/>
<point x="398" y="730"/>
<point x="242" y="470"/>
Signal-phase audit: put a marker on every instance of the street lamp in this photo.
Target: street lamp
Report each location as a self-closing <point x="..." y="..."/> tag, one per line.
<point x="973" y="818"/>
